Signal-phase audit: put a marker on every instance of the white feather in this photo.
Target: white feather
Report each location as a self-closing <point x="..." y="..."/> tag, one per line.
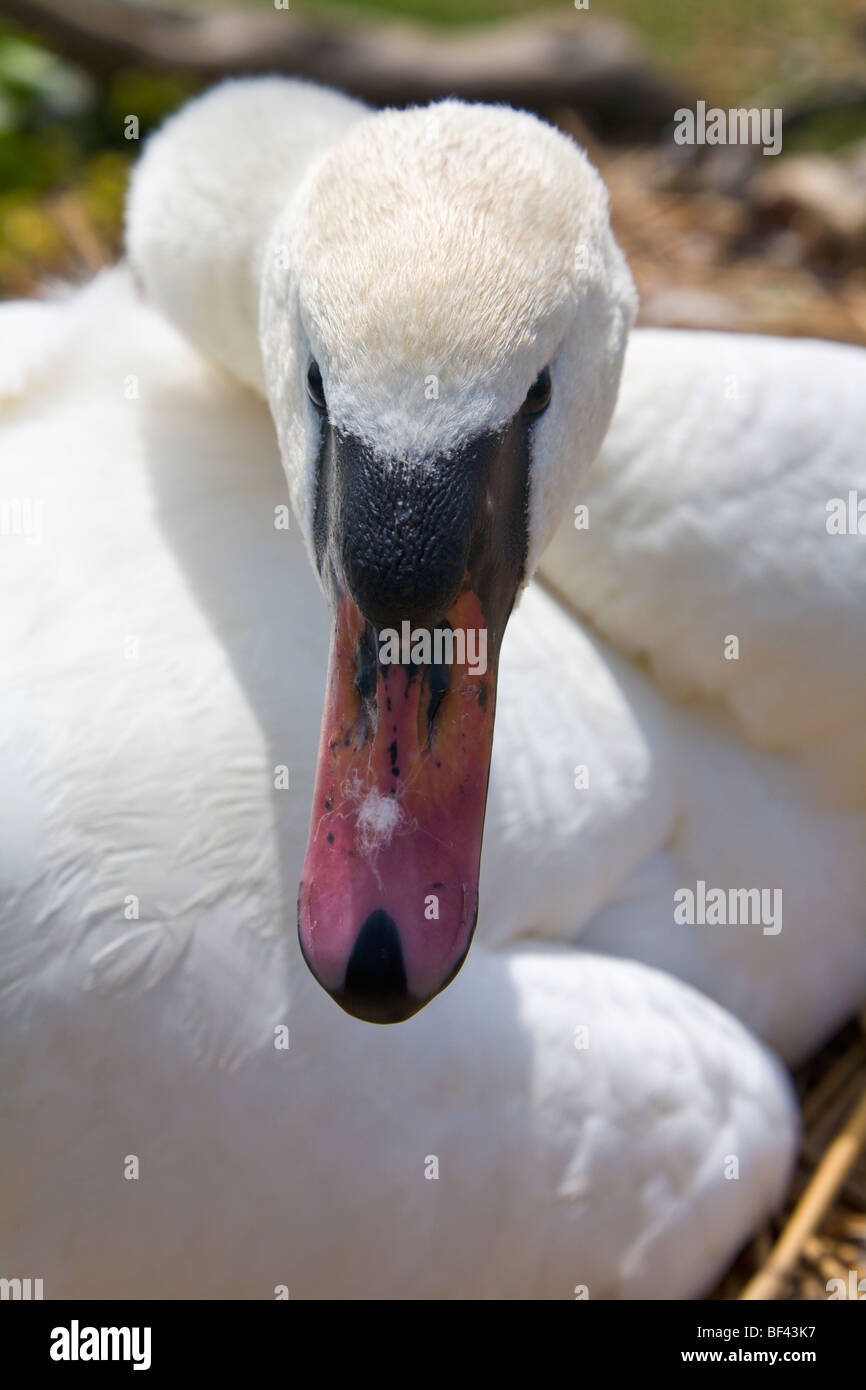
<point x="165" y="661"/>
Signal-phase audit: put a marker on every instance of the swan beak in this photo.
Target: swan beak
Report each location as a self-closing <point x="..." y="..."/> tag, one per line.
<point x="389" y="894"/>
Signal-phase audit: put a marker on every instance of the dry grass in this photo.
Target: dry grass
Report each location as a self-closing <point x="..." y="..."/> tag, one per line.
<point x="702" y="259"/>
<point x="831" y="1087"/>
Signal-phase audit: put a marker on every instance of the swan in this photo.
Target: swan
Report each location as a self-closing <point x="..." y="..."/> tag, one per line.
<point x="407" y="392"/>
<point x="189" y="1114"/>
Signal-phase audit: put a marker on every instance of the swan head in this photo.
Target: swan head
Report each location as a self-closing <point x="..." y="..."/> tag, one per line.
<point x="443" y="316"/>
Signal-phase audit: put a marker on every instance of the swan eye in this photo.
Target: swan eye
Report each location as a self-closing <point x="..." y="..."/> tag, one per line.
<point x="538" y="396"/>
<point x="315" y="389"/>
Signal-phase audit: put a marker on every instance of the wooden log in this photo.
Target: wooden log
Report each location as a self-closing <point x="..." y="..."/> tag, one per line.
<point x="583" y="62"/>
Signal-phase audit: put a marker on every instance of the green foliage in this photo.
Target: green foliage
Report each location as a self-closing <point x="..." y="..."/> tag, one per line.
<point x="64" y="159"/>
<point x="34" y="84"/>
<point x="827" y="131"/>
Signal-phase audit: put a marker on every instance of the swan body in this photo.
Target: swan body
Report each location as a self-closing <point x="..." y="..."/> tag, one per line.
<point x="707" y="519"/>
<point x="587" y="1114"/>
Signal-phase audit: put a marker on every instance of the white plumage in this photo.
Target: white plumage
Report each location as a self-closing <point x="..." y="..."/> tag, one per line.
<point x="164" y="661"/>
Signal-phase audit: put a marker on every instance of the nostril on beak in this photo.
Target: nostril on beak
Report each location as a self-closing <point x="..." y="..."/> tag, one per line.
<point x="440" y="683"/>
<point x="375" y="988"/>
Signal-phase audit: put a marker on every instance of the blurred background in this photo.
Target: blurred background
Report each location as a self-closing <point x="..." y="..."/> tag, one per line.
<point x="717" y="237"/>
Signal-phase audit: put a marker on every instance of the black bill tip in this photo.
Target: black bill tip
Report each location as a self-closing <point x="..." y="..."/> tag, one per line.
<point x="375" y="987"/>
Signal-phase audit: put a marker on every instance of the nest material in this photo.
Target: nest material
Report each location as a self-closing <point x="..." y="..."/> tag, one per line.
<point x="821" y="1235"/>
<point x="709" y="247"/>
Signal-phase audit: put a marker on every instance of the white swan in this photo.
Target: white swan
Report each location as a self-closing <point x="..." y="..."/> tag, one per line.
<point x="429" y="355"/>
<point x="587" y="1115"/>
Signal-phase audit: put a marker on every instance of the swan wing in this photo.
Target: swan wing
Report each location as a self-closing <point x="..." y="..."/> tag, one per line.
<point x="708" y="547"/>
